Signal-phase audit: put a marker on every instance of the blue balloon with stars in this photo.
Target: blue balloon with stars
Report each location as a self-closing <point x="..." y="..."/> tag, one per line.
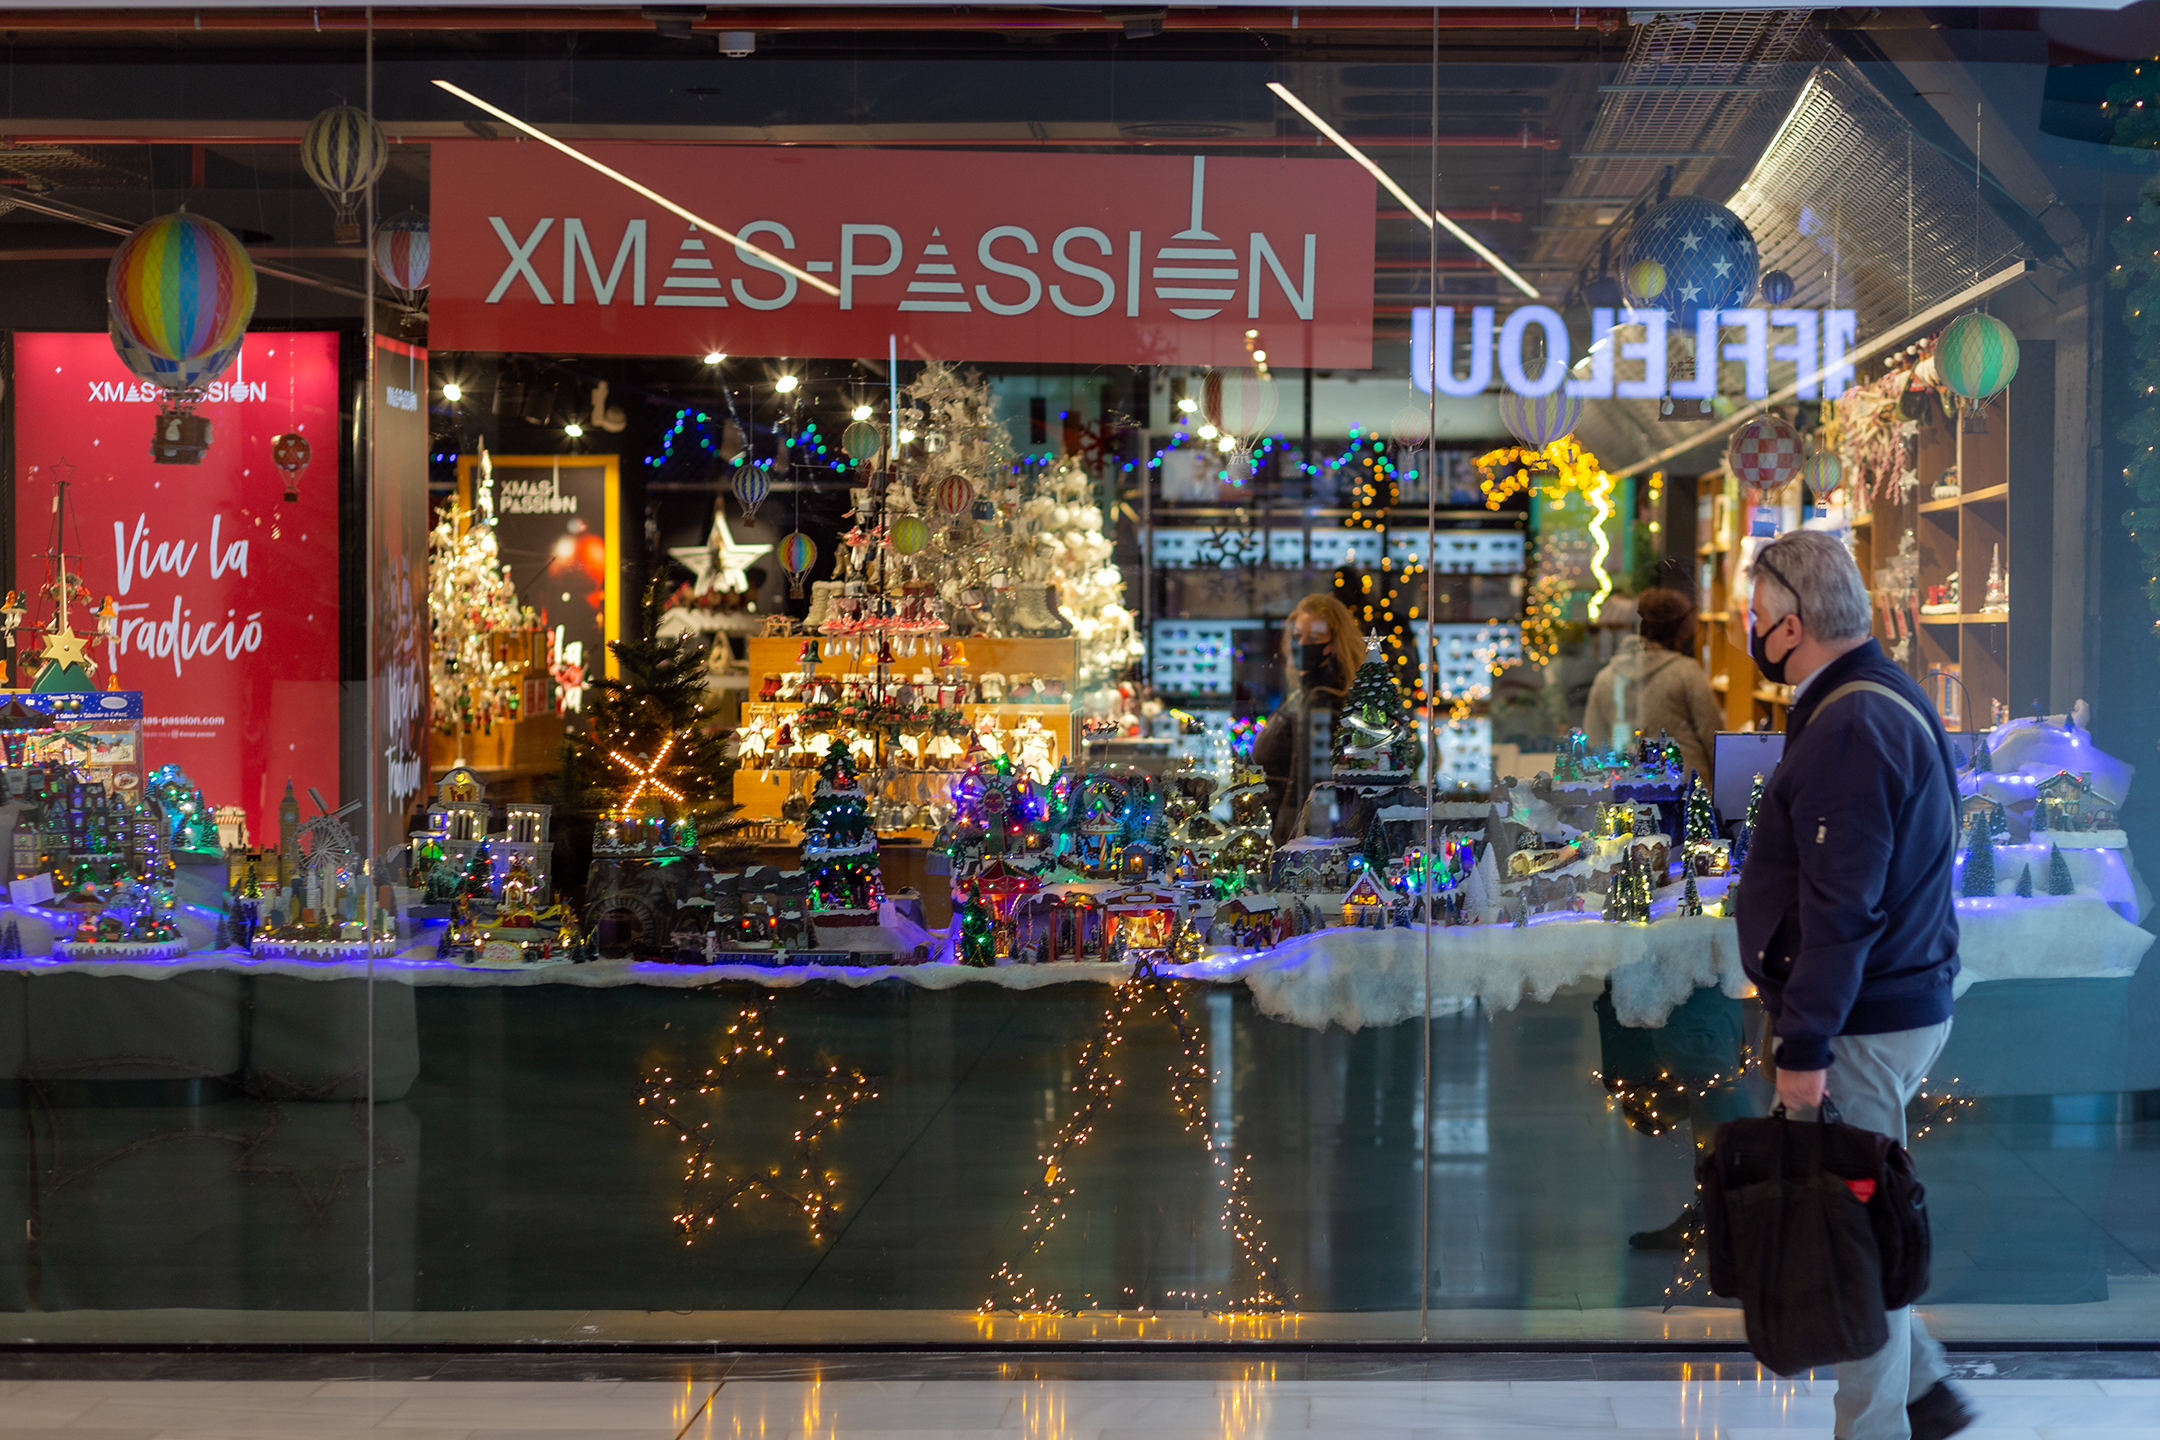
<point x="1701" y="255"/>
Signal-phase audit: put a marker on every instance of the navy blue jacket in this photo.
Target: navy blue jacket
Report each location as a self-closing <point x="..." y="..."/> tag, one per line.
<point x="1846" y="921"/>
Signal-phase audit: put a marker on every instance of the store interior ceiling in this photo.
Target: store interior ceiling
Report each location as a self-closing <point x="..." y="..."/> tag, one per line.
<point x="1546" y="131"/>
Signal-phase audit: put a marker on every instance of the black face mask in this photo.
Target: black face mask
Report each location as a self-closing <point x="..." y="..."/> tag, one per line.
<point x="1770" y="670"/>
<point x="1313" y="659"/>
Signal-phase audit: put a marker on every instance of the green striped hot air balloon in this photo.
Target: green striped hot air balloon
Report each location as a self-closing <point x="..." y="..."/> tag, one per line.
<point x="344" y="152"/>
<point x="1976" y="357"/>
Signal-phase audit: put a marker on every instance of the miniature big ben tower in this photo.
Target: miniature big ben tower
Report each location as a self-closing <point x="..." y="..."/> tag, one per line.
<point x="288" y="837"/>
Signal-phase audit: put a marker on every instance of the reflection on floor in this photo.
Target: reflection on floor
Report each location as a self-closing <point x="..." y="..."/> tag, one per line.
<point x="1251" y="1400"/>
<point x="520" y="1191"/>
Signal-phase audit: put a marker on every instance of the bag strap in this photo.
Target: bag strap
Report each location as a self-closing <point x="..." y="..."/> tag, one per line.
<point x="1876" y="687"/>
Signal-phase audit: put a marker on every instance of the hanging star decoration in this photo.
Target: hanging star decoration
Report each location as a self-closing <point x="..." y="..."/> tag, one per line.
<point x="647" y="775"/>
<point x="714" y="1182"/>
<point x="720" y="564"/>
<point x="1047" y="1202"/>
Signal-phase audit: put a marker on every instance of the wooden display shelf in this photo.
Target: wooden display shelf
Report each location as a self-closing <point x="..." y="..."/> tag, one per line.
<point x="778" y="654"/>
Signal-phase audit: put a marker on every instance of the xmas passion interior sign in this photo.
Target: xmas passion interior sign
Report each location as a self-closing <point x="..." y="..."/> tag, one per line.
<point x="1090" y="259"/>
<point x="225" y="591"/>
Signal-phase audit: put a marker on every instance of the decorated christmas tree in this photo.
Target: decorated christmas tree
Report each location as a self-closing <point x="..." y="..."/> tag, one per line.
<point x="649" y="746"/>
<point x="470" y="601"/>
<point x="1186" y="947"/>
<point x="973" y="923"/>
<point x="1690" y="901"/>
<point x="1979" y="858"/>
<point x="1060" y="532"/>
<point x="1375" y="714"/>
<point x="2059" y="881"/>
<point x="839" y="848"/>
<point x="1701" y="819"/>
<point x="1249" y="841"/>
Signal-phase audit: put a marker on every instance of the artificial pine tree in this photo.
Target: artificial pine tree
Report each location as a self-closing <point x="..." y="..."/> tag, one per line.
<point x="470" y="600"/>
<point x="2024" y="885"/>
<point x="1754" y="808"/>
<point x="1060" y="535"/>
<point x="1374" y="851"/>
<point x="1615" y="891"/>
<point x="649" y="744"/>
<point x="1979" y="858"/>
<point x="1690" y="900"/>
<point x="1982" y="761"/>
<point x="975" y="925"/>
<point x="1186" y="947"/>
<point x="1701" y="820"/>
<point x="839" y="848"/>
<point x="1374" y="712"/>
<point x="2059" y="881"/>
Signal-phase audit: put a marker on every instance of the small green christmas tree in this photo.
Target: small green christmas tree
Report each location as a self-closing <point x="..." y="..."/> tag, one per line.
<point x="1982" y="761"/>
<point x="1979" y="858"/>
<point x="1374" y="710"/>
<point x="1374" y="851"/>
<point x="976" y="945"/>
<point x="839" y="849"/>
<point x="1754" y="805"/>
<point x="1690" y="900"/>
<point x="1186" y="947"/>
<point x="2024" y="885"/>
<point x="2059" y="881"/>
<point x="1701" y="820"/>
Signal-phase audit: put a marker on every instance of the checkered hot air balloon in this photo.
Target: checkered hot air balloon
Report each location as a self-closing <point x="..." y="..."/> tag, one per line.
<point x="179" y="378"/>
<point x="1538" y="421"/>
<point x="1763" y="454"/>
<point x="1704" y="254"/>
<point x="344" y="152"/>
<point x="401" y="254"/>
<point x="181" y="289"/>
<point x="752" y="485"/>
<point x="1976" y="357"/>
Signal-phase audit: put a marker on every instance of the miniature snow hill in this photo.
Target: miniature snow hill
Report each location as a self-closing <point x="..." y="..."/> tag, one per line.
<point x="2050" y="790"/>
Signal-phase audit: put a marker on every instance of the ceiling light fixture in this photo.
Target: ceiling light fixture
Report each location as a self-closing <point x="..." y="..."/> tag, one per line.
<point x="785" y="384"/>
<point x="453" y="392"/>
<point x="573" y="430"/>
<point x="714" y="357"/>
<point x="860" y="412"/>
<point x="645" y="190"/>
<point x="1388" y="182"/>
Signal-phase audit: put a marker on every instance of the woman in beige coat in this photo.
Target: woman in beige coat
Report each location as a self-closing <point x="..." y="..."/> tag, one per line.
<point x="1654" y="683"/>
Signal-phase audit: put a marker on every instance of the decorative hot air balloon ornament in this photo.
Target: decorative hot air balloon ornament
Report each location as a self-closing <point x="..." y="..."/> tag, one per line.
<point x="1823" y="472"/>
<point x="343" y="152"/>
<point x="1763" y="454"/>
<point x="401" y="254"/>
<point x="910" y="533"/>
<point x="1240" y="403"/>
<point x="1538" y="421"/>
<point x="798" y="553"/>
<point x="862" y="441"/>
<point x="954" y="495"/>
<point x="1777" y="287"/>
<point x="1977" y="358"/>
<point x="1703" y="255"/>
<point x="752" y="485"/>
<point x="291" y="453"/>
<point x="180" y="290"/>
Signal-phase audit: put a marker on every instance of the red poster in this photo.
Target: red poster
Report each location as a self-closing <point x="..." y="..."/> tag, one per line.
<point x="1085" y="259"/>
<point x="227" y="595"/>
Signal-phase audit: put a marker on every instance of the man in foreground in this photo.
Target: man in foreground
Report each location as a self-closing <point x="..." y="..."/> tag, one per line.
<point x="1845" y="914"/>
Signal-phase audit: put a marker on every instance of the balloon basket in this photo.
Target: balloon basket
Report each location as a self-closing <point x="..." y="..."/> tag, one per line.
<point x="181" y="438"/>
<point x="292" y="494"/>
<point x="346" y="232"/>
<point x="1975" y="422"/>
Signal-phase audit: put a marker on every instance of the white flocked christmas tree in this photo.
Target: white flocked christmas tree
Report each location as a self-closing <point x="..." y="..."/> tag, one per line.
<point x="1067" y="548"/>
<point x="470" y="599"/>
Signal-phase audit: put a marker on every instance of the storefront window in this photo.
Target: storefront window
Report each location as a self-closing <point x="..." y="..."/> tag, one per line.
<point x="928" y="674"/>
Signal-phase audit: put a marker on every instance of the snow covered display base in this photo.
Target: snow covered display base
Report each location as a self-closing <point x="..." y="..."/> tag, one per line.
<point x="119" y="949"/>
<point x="325" y="949"/>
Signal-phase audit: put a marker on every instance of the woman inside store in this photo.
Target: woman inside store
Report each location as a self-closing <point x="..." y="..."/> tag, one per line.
<point x="1654" y="684"/>
<point x="1322" y="649"/>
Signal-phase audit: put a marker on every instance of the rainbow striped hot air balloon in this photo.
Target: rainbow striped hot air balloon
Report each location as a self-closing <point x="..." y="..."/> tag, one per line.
<point x="401" y="254"/>
<point x="752" y="485"/>
<point x="181" y="288"/>
<point x="798" y="552"/>
<point x="344" y="152"/>
<point x="1539" y="420"/>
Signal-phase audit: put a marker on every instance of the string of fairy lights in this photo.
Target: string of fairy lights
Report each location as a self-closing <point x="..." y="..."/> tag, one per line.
<point x="1047" y="1202"/>
<point x="801" y="1184"/>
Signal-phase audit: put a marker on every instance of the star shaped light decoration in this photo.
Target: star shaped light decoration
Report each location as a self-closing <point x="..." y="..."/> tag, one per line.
<point x="719" y="564"/>
<point x="647" y="774"/>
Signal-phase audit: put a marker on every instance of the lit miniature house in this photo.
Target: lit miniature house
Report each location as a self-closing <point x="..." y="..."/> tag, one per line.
<point x="1365" y="903"/>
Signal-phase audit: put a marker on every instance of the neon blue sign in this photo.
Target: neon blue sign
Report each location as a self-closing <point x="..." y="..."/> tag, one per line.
<point x="1820" y="341"/>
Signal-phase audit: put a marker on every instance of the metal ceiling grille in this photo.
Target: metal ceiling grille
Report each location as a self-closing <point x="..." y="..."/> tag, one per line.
<point x="1847" y="189"/>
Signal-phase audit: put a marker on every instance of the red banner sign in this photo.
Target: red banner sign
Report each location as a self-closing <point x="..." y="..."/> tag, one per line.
<point x="227" y="594"/>
<point x="1084" y="259"/>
